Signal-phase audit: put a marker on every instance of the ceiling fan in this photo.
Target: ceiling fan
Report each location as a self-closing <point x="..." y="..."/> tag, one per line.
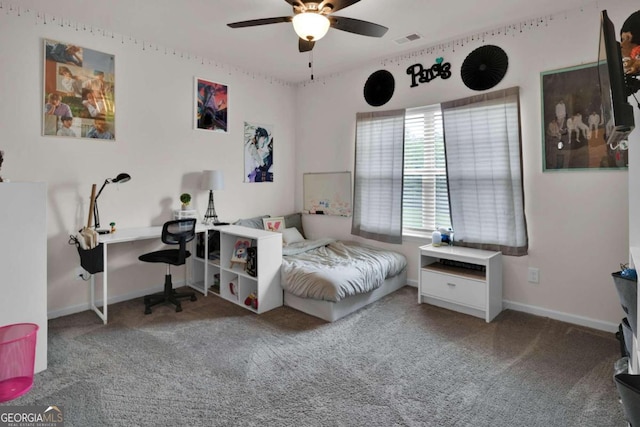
<point x="312" y="19"/>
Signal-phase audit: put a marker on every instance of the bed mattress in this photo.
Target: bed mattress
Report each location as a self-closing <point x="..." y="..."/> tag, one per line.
<point x="332" y="270"/>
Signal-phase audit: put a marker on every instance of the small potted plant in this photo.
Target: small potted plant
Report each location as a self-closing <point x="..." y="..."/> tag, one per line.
<point x="185" y="198"/>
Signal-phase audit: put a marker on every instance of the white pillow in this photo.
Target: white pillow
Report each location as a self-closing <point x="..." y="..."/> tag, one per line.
<point x="291" y="235"/>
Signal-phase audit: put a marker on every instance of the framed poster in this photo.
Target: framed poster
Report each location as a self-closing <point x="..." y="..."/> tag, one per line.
<point x="79" y="92"/>
<point x="258" y="153"/>
<point x="210" y="106"/>
<point x="573" y="128"/>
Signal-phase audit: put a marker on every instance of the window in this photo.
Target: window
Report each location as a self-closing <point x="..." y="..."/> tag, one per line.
<point x="425" y="202"/>
<point x="377" y="200"/>
<point x="484" y="163"/>
<point x="406" y="183"/>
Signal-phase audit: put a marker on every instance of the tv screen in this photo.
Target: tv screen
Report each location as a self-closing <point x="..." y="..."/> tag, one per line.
<point x="617" y="112"/>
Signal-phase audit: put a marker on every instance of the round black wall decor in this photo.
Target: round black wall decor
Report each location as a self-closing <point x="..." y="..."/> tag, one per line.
<point x="379" y="88"/>
<point x="484" y="68"/>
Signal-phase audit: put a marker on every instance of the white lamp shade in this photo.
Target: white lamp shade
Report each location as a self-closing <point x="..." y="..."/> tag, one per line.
<point x="310" y="26"/>
<point x="212" y="180"/>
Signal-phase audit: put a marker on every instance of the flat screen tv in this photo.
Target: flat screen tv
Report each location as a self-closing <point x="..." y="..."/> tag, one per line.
<point x="617" y="112"/>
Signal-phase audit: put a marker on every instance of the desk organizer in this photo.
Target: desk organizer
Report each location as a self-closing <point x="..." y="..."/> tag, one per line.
<point x="184" y="213"/>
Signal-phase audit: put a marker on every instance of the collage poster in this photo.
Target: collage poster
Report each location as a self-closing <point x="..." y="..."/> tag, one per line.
<point x="79" y="92"/>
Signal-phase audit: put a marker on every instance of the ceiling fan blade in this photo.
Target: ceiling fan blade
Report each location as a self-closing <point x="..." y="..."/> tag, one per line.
<point x="264" y="21"/>
<point x="305" y="45"/>
<point x="357" y="26"/>
<point x="337" y="4"/>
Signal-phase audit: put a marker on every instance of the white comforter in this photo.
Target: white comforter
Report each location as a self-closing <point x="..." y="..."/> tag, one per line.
<point x="332" y="270"/>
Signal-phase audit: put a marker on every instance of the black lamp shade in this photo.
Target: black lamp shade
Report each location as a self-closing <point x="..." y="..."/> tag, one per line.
<point x="122" y="177"/>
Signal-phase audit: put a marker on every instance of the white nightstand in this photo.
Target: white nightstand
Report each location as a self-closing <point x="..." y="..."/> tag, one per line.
<point x="471" y="283"/>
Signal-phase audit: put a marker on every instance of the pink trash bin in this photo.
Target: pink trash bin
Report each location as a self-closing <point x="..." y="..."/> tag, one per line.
<point x="17" y="359"/>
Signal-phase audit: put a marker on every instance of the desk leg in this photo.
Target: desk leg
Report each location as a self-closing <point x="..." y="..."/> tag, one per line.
<point x="205" y="269"/>
<point x="101" y="314"/>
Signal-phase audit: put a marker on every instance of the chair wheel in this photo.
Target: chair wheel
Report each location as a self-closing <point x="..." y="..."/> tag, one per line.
<point x="193" y="298"/>
<point x="147" y="310"/>
<point x="178" y="308"/>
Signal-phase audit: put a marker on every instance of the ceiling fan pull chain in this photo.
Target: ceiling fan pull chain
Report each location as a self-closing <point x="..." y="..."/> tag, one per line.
<point x="311" y="63"/>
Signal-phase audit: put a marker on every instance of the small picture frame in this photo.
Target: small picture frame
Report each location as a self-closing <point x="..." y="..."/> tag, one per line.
<point x="239" y="254"/>
<point x="275" y="223"/>
<point x="211" y="100"/>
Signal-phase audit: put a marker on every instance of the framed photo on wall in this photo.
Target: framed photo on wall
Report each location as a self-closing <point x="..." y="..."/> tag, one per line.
<point x="573" y="128"/>
<point x="79" y="92"/>
<point x="210" y="106"/>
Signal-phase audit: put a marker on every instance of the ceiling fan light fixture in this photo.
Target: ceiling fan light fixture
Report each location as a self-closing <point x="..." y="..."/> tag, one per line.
<point x="310" y="26"/>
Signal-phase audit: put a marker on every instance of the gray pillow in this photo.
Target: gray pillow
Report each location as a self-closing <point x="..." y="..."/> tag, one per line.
<point x="255" y="222"/>
<point x="294" y="220"/>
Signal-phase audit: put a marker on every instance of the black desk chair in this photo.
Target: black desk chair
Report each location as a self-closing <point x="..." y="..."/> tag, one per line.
<point x="177" y="232"/>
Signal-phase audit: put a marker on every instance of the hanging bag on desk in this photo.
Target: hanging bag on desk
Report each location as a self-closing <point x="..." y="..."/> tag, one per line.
<point x="90" y="251"/>
<point x="90" y="259"/>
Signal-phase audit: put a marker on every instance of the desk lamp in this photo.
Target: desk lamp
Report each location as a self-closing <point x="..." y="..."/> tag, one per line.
<point x="122" y="177"/>
<point x="212" y="180"/>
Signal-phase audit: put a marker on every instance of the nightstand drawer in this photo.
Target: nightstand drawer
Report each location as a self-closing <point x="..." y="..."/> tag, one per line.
<point x="456" y="289"/>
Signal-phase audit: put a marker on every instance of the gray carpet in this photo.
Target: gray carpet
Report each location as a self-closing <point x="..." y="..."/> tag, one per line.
<point x="394" y="363"/>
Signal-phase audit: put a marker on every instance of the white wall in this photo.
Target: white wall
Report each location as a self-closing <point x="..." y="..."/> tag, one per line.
<point x="577" y="220"/>
<point x="156" y="145"/>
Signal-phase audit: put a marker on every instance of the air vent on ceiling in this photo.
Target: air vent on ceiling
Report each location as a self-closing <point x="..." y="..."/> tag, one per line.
<point x="410" y="38"/>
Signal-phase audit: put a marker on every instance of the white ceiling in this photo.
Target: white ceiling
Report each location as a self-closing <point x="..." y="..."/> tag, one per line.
<point x="198" y="27"/>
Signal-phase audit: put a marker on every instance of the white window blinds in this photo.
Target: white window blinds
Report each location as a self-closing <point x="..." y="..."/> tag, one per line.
<point x="484" y="168"/>
<point x="377" y="202"/>
<point x="425" y="196"/>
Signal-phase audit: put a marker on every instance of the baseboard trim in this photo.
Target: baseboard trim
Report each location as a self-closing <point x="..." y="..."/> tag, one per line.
<point x="552" y="314"/>
<point x="561" y="316"/>
<point x="113" y="300"/>
<point x="511" y="305"/>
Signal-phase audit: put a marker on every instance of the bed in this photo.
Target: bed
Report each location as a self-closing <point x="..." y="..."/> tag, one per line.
<point x="330" y="279"/>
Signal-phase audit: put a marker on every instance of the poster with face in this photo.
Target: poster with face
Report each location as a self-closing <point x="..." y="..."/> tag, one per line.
<point x="258" y="153"/>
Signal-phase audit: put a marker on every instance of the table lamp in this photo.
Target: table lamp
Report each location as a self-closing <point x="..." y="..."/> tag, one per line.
<point x="212" y="180"/>
<point x="122" y="177"/>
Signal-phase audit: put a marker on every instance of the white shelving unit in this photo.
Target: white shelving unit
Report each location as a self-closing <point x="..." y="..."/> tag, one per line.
<point x="473" y="291"/>
<point x="266" y="286"/>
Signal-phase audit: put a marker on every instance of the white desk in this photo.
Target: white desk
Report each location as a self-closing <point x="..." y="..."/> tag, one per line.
<point x="120" y="236"/>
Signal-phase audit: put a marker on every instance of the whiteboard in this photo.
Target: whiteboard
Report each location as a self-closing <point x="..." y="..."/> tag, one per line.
<point x="327" y="193"/>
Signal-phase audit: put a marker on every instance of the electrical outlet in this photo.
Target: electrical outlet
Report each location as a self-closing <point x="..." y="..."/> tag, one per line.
<point x="534" y="275"/>
<point x="80" y="273"/>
